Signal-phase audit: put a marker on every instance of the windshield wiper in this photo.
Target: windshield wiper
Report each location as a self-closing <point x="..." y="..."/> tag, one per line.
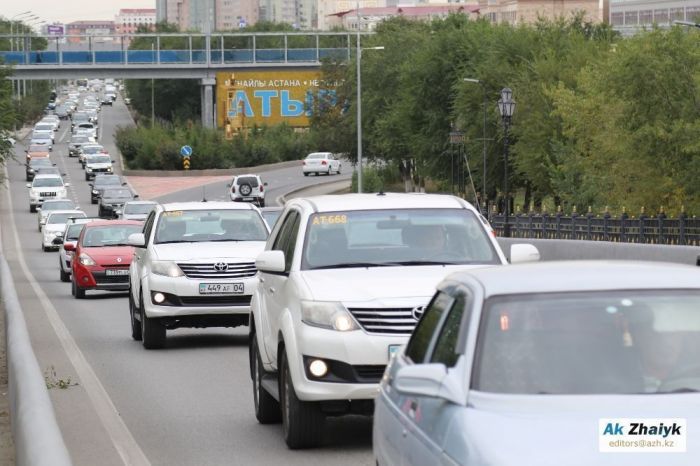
<point x="416" y="262"/>
<point x="678" y="390"/>
<point x="176" y="241"/>
<point x="348" y="265"/>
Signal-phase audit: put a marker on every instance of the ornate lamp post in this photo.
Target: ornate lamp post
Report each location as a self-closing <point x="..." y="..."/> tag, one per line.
<point x="506" y="107"/>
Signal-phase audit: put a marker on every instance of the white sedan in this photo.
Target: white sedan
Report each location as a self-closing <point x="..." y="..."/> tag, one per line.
<point x="321" y="162"/>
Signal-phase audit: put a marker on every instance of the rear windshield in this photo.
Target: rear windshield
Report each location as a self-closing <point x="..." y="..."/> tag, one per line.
<point x="63" y="217"/>
<point x="317" y="156"/>
<point x="61" y="205"/>
<point x="107" y="180"/>
<point x="117" y="193"/>
<point x="250" y="180"/>
<point x="93" y="149"/>
<point x="138" y="208"/>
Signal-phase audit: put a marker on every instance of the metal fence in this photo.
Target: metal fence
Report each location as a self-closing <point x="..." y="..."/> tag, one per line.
<point x="658" y="229"/>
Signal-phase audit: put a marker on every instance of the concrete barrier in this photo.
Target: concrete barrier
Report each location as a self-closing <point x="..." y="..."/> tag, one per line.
<point x="37" y="437"/>
<point x="561" y="249"/>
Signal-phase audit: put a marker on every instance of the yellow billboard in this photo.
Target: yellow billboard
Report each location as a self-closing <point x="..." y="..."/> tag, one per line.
<point x="248" y="98"/>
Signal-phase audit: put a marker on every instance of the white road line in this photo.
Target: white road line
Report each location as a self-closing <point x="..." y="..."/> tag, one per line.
<point x="125" y="444"/>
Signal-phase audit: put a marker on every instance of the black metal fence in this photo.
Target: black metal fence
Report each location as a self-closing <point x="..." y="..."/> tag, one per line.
<point x="658" y="229"/>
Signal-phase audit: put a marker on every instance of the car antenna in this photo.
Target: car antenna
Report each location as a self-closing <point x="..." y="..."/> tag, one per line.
<point x="204" y="194"/>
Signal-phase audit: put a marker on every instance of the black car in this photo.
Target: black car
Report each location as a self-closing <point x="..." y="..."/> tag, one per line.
<point x="103" y="182"/>
<point x="76" y="142"/>
<point x="112" y="201"/>
<point x="35" y="163"/>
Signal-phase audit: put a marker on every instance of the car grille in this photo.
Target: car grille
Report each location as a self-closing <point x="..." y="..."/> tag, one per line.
<point x="233" y="270"/>
<point x="397" y="321"/>
<point x="100" y="170"/>
<point x="369" y="373"/>
<point x="49" y="194"/>
<point x="241" y="300"/>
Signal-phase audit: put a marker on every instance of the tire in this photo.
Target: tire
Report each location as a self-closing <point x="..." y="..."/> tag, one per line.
<point x="267" y="409"/>
<point x="44" y="248"/>
<point x="87" y="178"/>
<point x="245" y="189"/>
<point x="135" y="324"/>
<point x="93" y="201"/>
<point x="152" y="330"/>
<point x="32" y="208"/>
<point x="261" y="203"/>
<point x="306" y="174"/>
<point x="302" y="421"/>
<point x="76" y="291"/>
<point x="65" y="276"/>
<point x="100" y="212"/>
<point x="339" y="168"/>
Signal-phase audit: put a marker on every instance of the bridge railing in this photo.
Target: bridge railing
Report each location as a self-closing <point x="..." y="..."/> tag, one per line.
<point x="180" y="49"/>
<point x="656" y="229"/>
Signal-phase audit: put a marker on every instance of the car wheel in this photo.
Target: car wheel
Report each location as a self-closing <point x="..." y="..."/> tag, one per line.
<point x="87" y="178"/>
<point x="93" y="201"/>
<point x="135" y="324"/>
<point x="65" y="276"/>
<point x="261" y="203"/>
<point x="306" y="174"/>
<point x="267" y="409"/>
<point x="339" y="167"/>
<point x="76" y="291"/>
<point x="44" y="248"/>
<point x="302" y="421"/>
<point x="32" y="208"/>
<point x="100" y="212"/>
<point x="152" y="330"/>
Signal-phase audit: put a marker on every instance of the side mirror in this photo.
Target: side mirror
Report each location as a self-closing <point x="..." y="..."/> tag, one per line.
<point x="520" y="253"/>
<point x="270" y="261"/>
<point x="428" y="380"/>
<point x="91" y="184"/>
<point x="136" y="196"/>
<point x="265" y="184"/>
<point x="63" y="174"/>
<point x="137" y="240"/>
<point x="66" y="184"/>
<point x="29" y="185"/>
<point x="228" y="185"/>
<point x="114" y="161"/>
<point x="124" y="184"/>
<point x="69" y="247"/>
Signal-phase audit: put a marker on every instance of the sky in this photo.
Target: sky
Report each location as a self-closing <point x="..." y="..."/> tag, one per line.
<point x="66" y="11"/>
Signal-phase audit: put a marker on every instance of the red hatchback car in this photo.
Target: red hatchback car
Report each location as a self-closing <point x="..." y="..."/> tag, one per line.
<point x="102" y="256"/>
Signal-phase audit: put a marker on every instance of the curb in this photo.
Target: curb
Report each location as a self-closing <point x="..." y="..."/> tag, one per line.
<point x="327" y="185"/>
<point x="210" y="171"/>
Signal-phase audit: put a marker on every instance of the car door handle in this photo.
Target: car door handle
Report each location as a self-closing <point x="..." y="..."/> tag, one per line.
<point x="262" y="280"/>
<point x="271" y="290"/>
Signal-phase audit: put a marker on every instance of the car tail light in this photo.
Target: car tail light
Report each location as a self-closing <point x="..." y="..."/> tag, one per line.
<point x="303" y="162"/>
<point x="233" y="188"/>
<point x="323" y="162"/>
<point x="261" y="188"/>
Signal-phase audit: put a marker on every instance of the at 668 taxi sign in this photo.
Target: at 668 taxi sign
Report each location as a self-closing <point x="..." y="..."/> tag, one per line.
<point x="186" y="152"/>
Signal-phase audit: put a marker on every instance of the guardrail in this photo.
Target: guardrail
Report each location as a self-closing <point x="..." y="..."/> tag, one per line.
<point x="658" y="229"/>
<point x="37" y="437"/>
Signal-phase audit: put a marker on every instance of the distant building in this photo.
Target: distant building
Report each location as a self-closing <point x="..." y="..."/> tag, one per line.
<point x="630" y="16"/>
<point x="528" y="11"/>
<point x="128" y="20"/>
<point x="101" y="30"/>
<point x="370" y="17"/>
<point x="218" y="15"/>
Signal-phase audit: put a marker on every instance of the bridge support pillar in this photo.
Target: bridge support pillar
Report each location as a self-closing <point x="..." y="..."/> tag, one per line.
<point x="208" y="102"/>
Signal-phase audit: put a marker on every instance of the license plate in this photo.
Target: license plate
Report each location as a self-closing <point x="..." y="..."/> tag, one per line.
<point x="112" y="272"/>
<point x="47" y="194"/>
<point x="221" y="288"/>
<point x="393" y="349"/>
<point x="248" y="198"/>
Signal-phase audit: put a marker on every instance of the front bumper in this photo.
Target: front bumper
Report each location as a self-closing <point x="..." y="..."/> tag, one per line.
<point x="184" y="298"/>
<point x="47" y="238"/>
<point x="95" y="278"/>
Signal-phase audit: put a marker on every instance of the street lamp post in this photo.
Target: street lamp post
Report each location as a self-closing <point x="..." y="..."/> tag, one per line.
<point x="483" y="138"/>
<point x="506" y="107"/>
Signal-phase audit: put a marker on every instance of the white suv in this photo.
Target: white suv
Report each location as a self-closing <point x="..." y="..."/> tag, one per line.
<point x="45" y="187"/>
<point x="193" y="266"/>
<point x="248" y="188"/>
<point x="343" y="282"/>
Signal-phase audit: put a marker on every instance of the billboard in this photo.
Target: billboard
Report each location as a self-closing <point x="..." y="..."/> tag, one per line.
<point x="269" y="97"/>
<point x="55" y="29"/>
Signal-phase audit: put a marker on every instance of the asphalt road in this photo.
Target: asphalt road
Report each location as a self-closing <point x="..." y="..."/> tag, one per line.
<point x="188" y="404"/>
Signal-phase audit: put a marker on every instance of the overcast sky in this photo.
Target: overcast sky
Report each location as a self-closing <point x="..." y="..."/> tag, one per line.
<point x="66" y="11"/>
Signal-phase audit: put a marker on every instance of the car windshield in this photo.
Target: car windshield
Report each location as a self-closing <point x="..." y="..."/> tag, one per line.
<point x="184" y="226"/>
<point x="99" y="159"/>
<point x="109" y="235"/>
<point x="57" y="205"/>
<point x="317" y="156"/>
<point x="41" y="135"/>
<point x="62" y="217"/>
<point x="396" y="237"/>
<point x="116" y="194"/>
<point x="93" y="149"/>
<point x="73" y="231"/>
<point x="590" y="343"/>
<point x="138" y="208"/>
<point x="52" y="182"/>
<point x="107" y="180"/>
<point x="43" y="127"/>
<point x="37" y="148"/>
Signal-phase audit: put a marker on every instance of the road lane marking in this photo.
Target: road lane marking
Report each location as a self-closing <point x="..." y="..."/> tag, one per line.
<point x="125" y="444"/>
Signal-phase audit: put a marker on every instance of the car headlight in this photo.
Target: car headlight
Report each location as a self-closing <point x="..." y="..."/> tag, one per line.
<point x="94" y="191"/>
<point x="326" y="314"/>
<point x="109" y="169"/>
<point x="88" y="169"/>
<point x="84" y="259"/>
<point x="166" y="268"/>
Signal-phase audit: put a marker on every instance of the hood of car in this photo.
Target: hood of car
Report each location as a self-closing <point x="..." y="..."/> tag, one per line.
<point x="99" y="164"/>
<point x="48" y="189"/>
<point x="503" y="429"/>
<point x="134" y="216"/>
<point x="382" y="286"/>
<point x="54" y="228"/>
<point x="110" y="255"/>
<point x="208" y="251"/>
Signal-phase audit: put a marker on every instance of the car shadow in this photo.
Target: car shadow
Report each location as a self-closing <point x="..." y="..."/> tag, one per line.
<point x="192" y="341"/>
<point x="120" y="294"/>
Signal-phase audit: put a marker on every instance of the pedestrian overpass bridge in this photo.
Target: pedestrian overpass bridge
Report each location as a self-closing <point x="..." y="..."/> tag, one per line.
<point x="170" y="56"/>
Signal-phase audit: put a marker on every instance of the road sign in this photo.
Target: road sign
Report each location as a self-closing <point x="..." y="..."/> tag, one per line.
<point x="186" y="163"/>
<point x="186" y="151"/>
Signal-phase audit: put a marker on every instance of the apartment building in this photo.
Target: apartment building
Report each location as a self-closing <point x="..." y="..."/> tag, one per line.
<point x="630" y="16"/>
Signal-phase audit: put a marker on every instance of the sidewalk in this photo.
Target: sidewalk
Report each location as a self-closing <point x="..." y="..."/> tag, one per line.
<point x="7" y="448"/>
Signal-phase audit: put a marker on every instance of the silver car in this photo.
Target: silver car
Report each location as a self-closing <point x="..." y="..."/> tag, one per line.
<point x="51" y="205"/>
<point x="558" y="363"/>
<point x="136" y="210"/>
